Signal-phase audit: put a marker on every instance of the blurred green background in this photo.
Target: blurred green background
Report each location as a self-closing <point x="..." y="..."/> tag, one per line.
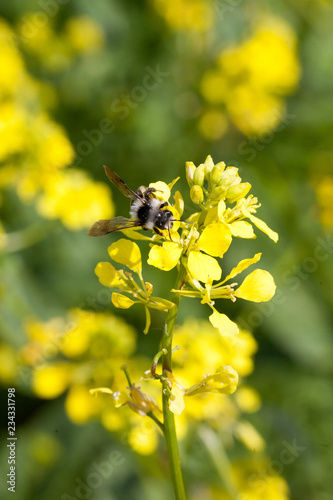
<point x="143" y="87"/>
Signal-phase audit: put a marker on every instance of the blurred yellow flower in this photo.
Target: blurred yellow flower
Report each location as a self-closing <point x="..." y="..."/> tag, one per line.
<point x="251" y="80"/>
<point x="75" y="199"/>
<point x="248" y="399"/>
<point x="195" y="16"/>
<point x="143" y="437"/>
<point x="254" y="481"/>
<point x="49" y="381"/>
<point x="213" y="124"/>
<point x="84" y="34"/>
<point x="40" y="146"/>
<point x="79" y="405"/>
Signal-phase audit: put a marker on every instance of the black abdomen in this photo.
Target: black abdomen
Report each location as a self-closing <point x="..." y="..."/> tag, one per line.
<point x="143" y="214"/>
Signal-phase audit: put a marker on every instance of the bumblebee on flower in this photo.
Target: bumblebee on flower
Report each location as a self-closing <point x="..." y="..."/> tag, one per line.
<point x="225" y="211"/>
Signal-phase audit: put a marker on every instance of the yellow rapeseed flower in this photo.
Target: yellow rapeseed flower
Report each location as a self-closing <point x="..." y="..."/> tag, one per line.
<point x="225" y="210"/>
<point x="250" y="81"/>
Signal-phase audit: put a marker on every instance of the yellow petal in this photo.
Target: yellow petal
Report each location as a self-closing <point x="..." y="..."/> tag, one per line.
<point x="162" y="190"/>
<point x="203" y="267"/>
<point x="258" y="286"/>
<point x="223" y="324"/>
<point x="176" y="400"/>
<point x="242" y="229"/>
<point x="126" y="252"/>
<point x="215" y="213"/>
<point x="108" y="275"/>
<point x="121" y="301"/>
<point x="215" y="239"/>
<point x="243" y="264"/>
<point x="261" y="225"/>
<point x="179" y="203"/>
<point x="172" y="183"/>
<point x="165" y="257"/>
<point x="134" y="234"/>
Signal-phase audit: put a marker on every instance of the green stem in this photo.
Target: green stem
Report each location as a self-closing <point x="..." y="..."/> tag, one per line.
<point x="169" y="418"/>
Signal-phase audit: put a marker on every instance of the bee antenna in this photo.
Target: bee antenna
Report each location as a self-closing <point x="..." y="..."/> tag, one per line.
<point x="179" y="220"/>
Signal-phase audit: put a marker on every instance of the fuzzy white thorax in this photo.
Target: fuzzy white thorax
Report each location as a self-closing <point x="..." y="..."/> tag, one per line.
<point x="154" y="207"/>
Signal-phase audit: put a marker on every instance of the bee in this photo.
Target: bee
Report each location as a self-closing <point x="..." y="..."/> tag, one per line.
<point x="146" y="211"/>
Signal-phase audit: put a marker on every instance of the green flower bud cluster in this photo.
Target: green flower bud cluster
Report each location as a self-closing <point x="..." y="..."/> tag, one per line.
<point x="211" y="183"/>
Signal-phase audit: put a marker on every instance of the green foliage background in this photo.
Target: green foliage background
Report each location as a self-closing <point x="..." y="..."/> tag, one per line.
<point x="293" y="372"/>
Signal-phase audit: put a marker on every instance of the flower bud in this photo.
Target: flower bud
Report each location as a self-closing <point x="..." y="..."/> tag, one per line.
<point x="196" y="194"/>
<point x="218" y="193"/>
<point x="229" y="176"/>
<point x="199" y="175"/>
<point x="216" y="173"/>
<point x="190" y="169"/>
<point x="208" y="166"/>
<point x="237" y="191"/>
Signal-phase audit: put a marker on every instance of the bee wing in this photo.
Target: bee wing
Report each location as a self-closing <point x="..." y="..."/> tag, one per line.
<point x="106" y="226"/>
<point x="120" y="184"/>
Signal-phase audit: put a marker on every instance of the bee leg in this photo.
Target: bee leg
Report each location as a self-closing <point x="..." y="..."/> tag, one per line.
<point x="149" y="191"/>
<point x="164" y="204"/>
<point x="157" y="231"/>
<point x="169" y="233"/>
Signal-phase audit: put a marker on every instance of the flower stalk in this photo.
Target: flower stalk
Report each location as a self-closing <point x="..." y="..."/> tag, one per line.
<point x="169" y="427"/>
<point x="193" y="247"/>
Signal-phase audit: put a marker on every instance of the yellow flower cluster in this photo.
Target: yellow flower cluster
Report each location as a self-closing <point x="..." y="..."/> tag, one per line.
<point x="253" y="480"/>
<point x="35" y="150"/>
<point x="202" y="351"/>
<point x="226" y="212"/>
<point x="250" y="81"/>
<point x="75" y="353"/>
<point x="81" y="36"/>
<point x="86" y="350"/>
<point x="226" y="209"/>
<point x="194" y="17"/>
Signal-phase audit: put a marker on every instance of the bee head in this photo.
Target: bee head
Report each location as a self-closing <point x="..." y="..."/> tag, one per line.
<point x="165" y="219"/>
